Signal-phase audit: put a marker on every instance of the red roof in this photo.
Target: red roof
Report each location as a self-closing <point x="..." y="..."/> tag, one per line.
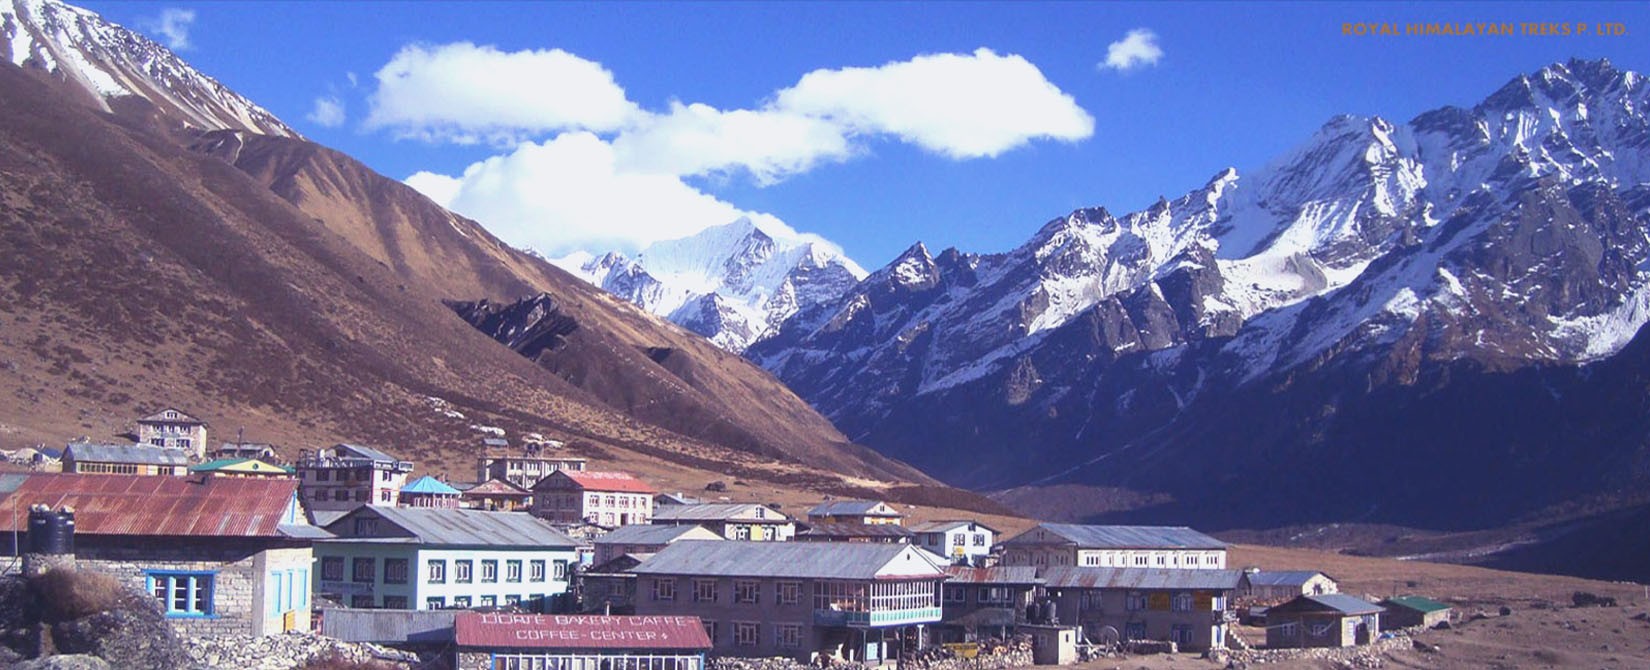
<point x="154" y="505"/>
<point x="620" y="482"/>
<point x="568" y="631"/>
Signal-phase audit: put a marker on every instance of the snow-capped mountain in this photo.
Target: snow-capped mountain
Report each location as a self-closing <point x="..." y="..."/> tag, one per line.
<point x="121" y="71"/>
<point x="1505" y="237"/>
<point x="730" y="283"/>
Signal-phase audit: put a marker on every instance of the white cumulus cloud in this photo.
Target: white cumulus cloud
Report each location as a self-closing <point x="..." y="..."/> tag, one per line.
<point x="328" y="112"/>
<point x="1137" y="48"/>
<point x="172" y="27"/>
<point x="465" y="93"/>
<point x="589" y="170"/>
<point x="957" y="105"/>
<point x="567" y="194"/>
<point x="698" y="139"/>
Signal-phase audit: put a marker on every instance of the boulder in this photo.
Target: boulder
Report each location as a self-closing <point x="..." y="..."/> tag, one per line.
<point x="131" y="637"/>
<point x="66" y="662"/>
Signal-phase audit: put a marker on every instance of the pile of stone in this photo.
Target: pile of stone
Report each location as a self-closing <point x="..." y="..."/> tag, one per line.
<point x="285" y="651"/>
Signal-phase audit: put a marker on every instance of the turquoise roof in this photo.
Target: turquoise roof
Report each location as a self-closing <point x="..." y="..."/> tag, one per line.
<point x="430" y="485"/>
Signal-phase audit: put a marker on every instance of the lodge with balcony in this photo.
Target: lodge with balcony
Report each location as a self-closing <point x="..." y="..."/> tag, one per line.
<point x="855" y="602"/>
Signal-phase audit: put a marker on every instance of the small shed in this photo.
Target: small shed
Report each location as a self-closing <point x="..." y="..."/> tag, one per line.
<point x="495" y="641"/>
<point x="1407" y="611"/>
<point x="1331" y="620"/>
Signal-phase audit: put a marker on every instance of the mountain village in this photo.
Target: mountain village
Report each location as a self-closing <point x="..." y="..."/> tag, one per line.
<point x="541" y="562"/>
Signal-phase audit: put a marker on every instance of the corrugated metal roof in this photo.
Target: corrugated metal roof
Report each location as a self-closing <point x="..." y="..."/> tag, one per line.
<point x="457" y="527"/>
<point x="1084" y="577"/>
<point x="495" y="442"/>
<point x="1417" y="603"/>
<point x="159" y="505"/>
<point x="305" y="532"/>
<point x="389" y="626"/>
<point x="325" y="517"/>
<point x="1123" y="537"/>
<point x="639" y="534"/>
<point x="569" y="631"/>
<point x="718" y="512"/>
<point x="849" y="507"/>
<point x="230" y="465"/>
<point x="430" y="485"/>
<point x="1282" y="577"/>
<point x="345" y="449"/>
<point x="619" y="482"/>
<point x="942" y="526"/>
<point x="496" y="487"/>
<point x="802" y="560"/>
<point x="1001" y="574"/>
<point x="125" y="453"/>
<point x="869" y="530"/>
<point x="1338" y="602"/>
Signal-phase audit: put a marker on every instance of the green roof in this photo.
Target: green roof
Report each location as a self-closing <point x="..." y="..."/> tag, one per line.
<point x="1417" y="603"/>
<point x="222" y="463"/>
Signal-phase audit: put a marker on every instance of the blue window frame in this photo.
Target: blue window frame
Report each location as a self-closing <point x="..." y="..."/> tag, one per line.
<point x="181" y="593"/>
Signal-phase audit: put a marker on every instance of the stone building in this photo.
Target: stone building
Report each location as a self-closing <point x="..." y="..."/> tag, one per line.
<point x="1187" y="607"/>
<point x="1331" y="620"/>
<point x="497" y="494"/>
<point x="124" y="459"/>
<point x="608" y="499"/>
<point x="1064" y="544"/>
<point x="796" y="600"/>
<point x="1408" y="611"/>
<point x="173" y="429"/>
<point x="524" y="470"/>
<point x="981" y="603"/>
<point x="734" y="521"/>
<point x="1276" y="586"/>
<point x="345" y="476"/>
<point x="224" y="556"/>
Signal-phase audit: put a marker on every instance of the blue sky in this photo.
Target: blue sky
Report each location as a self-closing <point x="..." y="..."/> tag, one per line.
<point x="861" y="157"/>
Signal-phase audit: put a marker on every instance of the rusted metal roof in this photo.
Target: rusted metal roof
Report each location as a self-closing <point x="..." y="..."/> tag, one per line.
<point x="157" y="505"/>
<point x="1001" y="574"/>
<point x="1117" y="537"/>
<point x="1082" y="577"/>
<point x="578" y="632"/>
<point x="618" y="482"/>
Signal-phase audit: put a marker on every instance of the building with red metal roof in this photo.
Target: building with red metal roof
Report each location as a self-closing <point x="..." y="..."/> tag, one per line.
<point x="222" y="555"/>
<point x="609" y="499"/>
<point x="493" y="641"/>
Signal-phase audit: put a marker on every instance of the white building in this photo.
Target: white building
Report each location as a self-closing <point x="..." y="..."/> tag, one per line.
<point x="406" y="558"/>
<point x="965" y="542"/>
<point x="607" y="499"/>
<point x="1058" y="544"/>
<point x="173" y="429"/>
<point x="734" y="521"/>
<point x="345" y="476"/>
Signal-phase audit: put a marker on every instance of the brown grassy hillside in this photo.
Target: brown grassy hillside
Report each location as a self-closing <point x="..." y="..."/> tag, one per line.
<point x="135" y="273"/>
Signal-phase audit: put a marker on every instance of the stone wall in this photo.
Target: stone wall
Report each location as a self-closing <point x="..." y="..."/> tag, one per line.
<point x="235" y="589"/>
<point x="286" y="651"/>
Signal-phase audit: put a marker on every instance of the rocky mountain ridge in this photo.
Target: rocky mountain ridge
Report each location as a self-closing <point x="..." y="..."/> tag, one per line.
<point x="731" y="283"/>
<point x="1377" y="265"/>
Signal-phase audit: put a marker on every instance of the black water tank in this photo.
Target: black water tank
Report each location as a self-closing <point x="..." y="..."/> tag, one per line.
<point x="50" y="532"/>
